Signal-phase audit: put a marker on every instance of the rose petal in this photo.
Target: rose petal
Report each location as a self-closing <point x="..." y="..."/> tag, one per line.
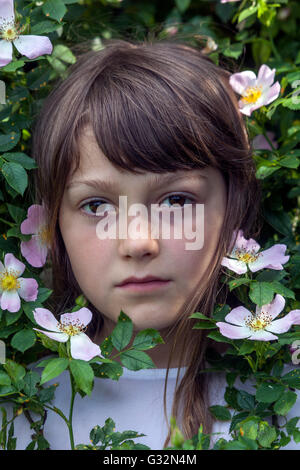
<point x="273" y="308"/>
<point x="5" y="52"/>
<point x="28" y="289"/>
<point x="34" y="251"/>
<point x="282" y="325"/>
<point x="33" y="46"/>
<point x="46" y="319"/>
<point x="237" y="316"/>
<point x="262" y="335"/>
<point x="272" y="258"/>
<point x="10" y="300"/>
<point x="13" y="265"/>
<point x="60" y="337"/>
<point x="296" y="316"/>
<point x="233" y="332"/>
<point x="246" y="245"/>
<point x="35" y="219"/>
<point x="272" y="93"/>
<point x="242" y="80"/>
<point x="235" y="265"/>
<point x="265" y="76"/>
<point x="83" y="348"/>
<point x="6" y="11"/>
<point x="82" y="316"/>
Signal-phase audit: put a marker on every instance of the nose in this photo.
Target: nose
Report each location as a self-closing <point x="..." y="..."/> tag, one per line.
<point x="138" y="243"/>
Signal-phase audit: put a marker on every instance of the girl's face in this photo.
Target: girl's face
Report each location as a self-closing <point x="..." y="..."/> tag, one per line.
<point x="99" y="265"/>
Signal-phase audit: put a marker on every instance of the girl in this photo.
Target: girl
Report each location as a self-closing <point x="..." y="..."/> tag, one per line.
<point x="155" y="122"/>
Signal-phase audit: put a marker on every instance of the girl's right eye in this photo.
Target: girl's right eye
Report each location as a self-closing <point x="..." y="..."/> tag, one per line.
<point x="94" y="203"/>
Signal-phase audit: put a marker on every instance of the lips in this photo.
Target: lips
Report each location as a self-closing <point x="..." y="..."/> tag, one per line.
<point x="136" y="280"/>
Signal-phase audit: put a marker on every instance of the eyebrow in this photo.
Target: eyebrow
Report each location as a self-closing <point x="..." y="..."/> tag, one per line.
<point x="156" y="180"/>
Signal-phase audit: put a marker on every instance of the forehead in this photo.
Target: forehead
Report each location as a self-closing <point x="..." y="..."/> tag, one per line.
<point x="94" y="164"/>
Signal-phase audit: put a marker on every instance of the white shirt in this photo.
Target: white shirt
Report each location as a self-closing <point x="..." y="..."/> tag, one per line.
<point x="134" y="402"/>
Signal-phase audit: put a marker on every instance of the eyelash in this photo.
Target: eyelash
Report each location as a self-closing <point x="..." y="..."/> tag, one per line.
<point x="103" y="201"/>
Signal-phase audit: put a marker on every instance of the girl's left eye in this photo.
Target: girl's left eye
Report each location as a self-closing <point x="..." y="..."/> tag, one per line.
<point x="177" y="198"/>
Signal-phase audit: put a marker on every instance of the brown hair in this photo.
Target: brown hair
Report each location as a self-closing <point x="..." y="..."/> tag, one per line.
<point x="154" y="106"/>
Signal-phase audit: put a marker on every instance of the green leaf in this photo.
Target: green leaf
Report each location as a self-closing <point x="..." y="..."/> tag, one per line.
<point x="204" y="325"/>
<point x="220" y="412"/>
<point x="182" y="5"/>
<point x="16" y="213"/>
<point x="238" y="282"/>
<point x="83" y="375"/>
<point x="261" y="293"/>
<point x="234" y="50"/>
<point x="292" y="103"/>
<point x="136" y="360"/>
<point x="14" y="370"/>
<point x="217" y="336"/>
<point x="265" y="171"/>
<point x="281" y="289"/>
<point x="54" y="368"/>
<point x="21" y="158"/>
<point x="4" y="378"/>
<point x="64" y="54"/>
<point x="122" y="332"/>
<point x="285" y="403"/>
<point x="290" y="161"/>
<point x="108" y="371"/>
<point x="16" y="176"/>
<point x="268" y="393"/>
<point x="9" y="141"/>
<point x="54" y="9"/>
<point x="44" y="27"/>
<point x="30" y="381"/>
<point x="280" y="221"/>
<point x="292" y="378"/>
<point x="13" y="66"/>
<point x="147" y="339"/>
<point x="23" y="340"/>
<point x="247" y="12"/>
<point x="245" y="400"/>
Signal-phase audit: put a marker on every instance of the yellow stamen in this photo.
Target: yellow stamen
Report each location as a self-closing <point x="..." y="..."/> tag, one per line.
<point x="72" y="328"/>
<point x="9" y="29"/>
<point x="44" y="235"/>
<point x="9" y="280"/>
<point x="258" y="322"/>
<point x="246" y="256"/>
<point x="252" y="94"/>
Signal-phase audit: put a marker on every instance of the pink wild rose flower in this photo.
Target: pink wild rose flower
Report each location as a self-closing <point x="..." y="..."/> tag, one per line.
<point x="35" y="250"/>
<point x="12" y="286"/>
<point x="29" y="45"/>
<point x="256" y="91"/>
<point x="241" y="323"/>
<point x="246" y="253"/>
<point x="71" y="325"/>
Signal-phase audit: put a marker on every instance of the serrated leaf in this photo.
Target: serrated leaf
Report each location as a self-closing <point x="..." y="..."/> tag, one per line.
<point x="23" y="340"/>
<point x="83" y="375"/>
<point x="268" y="393"/>
<point x="54" y="368"/>
<point x="15" y="176"/>
<point x="261" y="293"/>
<point x="9" y="141"/>
<point x="285" y="403"/>
<point x="122" y="332"/>
<point x="220" y="412"/>
<point x="136" y="360"/>
<point x="54" y="9"/>
<point x="147" y="339"/>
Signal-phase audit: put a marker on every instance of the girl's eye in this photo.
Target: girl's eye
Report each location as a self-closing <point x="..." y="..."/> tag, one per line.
<point x="95" y="204"/>
<point x="178" y="198"/>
